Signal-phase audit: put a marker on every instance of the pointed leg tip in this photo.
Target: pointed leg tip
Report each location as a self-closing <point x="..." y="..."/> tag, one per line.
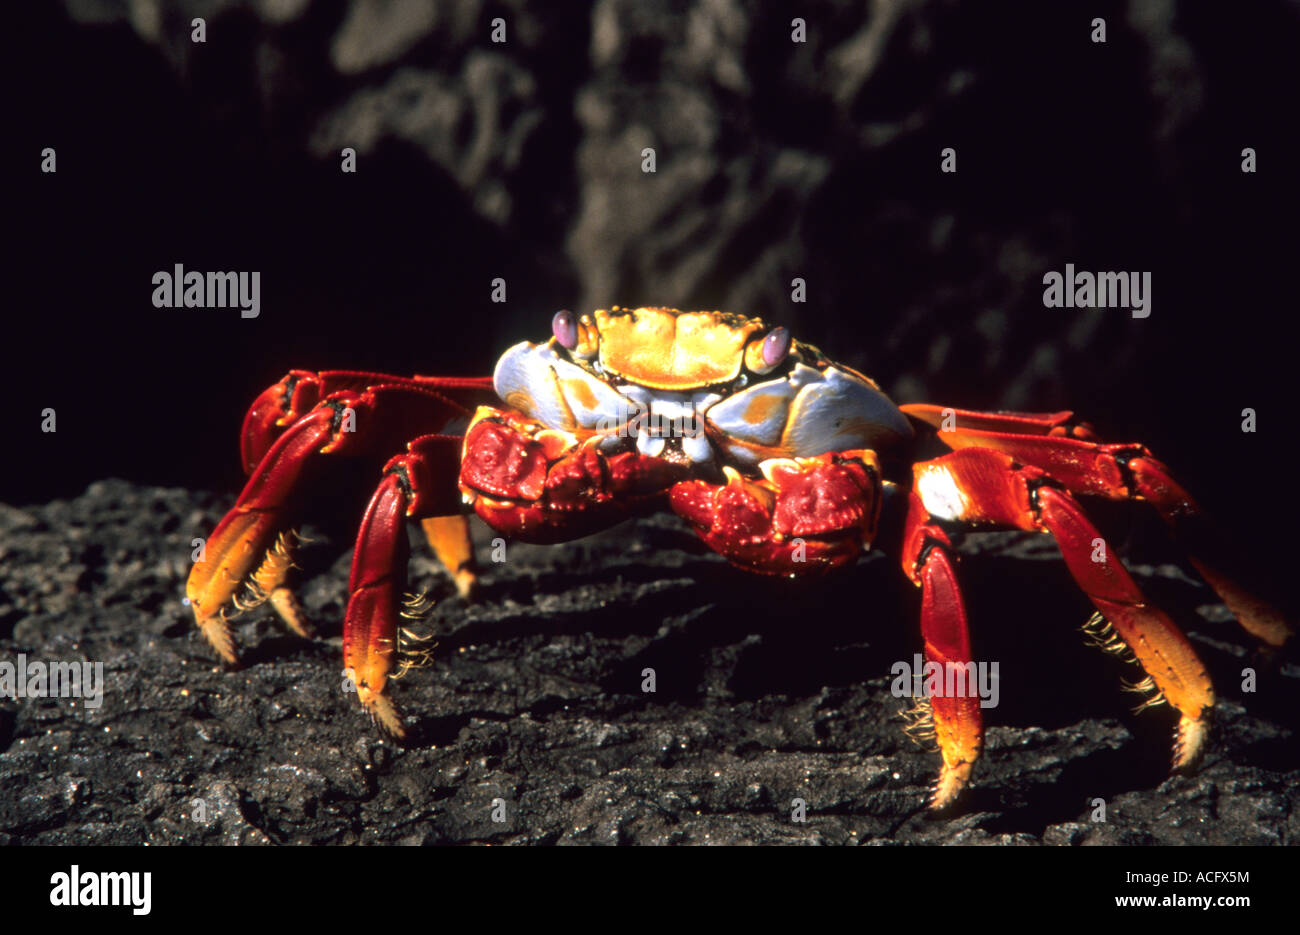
<point x="948" y="786"/>
<point x="466" y="584"/>
<point x="289" y="609"/>
<point x="217" y="632"/>
<point x="383" y="710"/>
<point x="1189" y="742"/>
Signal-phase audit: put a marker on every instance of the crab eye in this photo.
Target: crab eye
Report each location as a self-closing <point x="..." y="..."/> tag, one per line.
<point x="565" y="328"/>
<point x="775" y="346"/>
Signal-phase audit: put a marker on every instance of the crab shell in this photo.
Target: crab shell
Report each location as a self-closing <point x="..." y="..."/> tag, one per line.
<point x="633" y="372"/>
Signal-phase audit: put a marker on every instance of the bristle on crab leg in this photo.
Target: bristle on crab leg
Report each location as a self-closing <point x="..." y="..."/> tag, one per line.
<point x="372" y="643"/>
<point x="1071" y="454"/>
<point x="370" y="627"/>
<point x="958" y="724"/>
<point x="954" y="721"/>
<point x="978" y="485"/>
<point x="268" y="585"/>
<point x="248" y="532"/>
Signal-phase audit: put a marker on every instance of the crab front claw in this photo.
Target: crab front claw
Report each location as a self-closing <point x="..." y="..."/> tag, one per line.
<point x="804" y="514"/>
<point x="543" y="485"/>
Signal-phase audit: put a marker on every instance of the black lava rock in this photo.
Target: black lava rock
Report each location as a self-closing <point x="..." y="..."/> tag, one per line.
<point x="532" y="710"/>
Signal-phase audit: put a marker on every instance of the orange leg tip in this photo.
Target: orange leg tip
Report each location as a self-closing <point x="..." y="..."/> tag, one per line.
<point x="466" y="583"/>
<point x="383" y="710"/>
<point x="952" y="779"/>
<point x="290" y="610"/>
<point x="449" y="537"/>
<point x="1189" y="741"/>
<point x="217" y="632"/>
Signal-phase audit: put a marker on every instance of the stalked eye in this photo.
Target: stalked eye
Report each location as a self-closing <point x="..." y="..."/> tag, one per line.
<point x="565" y="328"/>
<point x="775" y="346"/>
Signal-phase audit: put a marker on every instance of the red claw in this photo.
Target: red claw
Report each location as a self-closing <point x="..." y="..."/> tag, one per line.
<point x="811" y="514"/>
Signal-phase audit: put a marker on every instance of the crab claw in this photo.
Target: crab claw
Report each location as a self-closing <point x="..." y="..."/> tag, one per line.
<point x="803" y="513"/>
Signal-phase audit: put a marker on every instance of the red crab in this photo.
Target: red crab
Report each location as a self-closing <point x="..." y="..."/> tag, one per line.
<point x="778" y="457"/>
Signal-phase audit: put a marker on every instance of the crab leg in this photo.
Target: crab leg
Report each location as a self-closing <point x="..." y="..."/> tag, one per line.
<point x="958" y="725"/>
<point x="244" y="535"/>
<point x="417" y="485"/>
<point x="1070" y="453"/>
<point x="369" y="423"/>
<point x="269" y="582"/>
<point x="979" y="485"/>
<point x="949" y="420"/>
<point x="449" y="538"/>
<point x="299" y="391"/>
<point x="527" y="481"/>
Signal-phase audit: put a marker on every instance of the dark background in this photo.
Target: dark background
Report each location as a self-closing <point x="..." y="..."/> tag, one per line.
<point x="775" y="160"/>
<point x="522" y="161"/>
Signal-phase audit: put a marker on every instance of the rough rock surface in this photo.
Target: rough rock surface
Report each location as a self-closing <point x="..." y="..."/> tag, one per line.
<point x="767" y="692"/>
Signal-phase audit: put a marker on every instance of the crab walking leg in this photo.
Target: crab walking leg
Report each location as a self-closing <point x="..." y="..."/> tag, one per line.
<point x="269" y="582"/>
<point x="804" y="515"/>
<point x="950" y="420"/>
<point x="958" y="725"/>
<point x="299" y="391"/>
<point x="378" y="577"/>
<point x="979" y="485"/>
<point x="417" y="484"/>
<point x="1069" y="452"/>
<point x="244" y="534"/>
<point x="527" y="481"/>
<point x="449" y="538"/>
<point x="371" y="423"/>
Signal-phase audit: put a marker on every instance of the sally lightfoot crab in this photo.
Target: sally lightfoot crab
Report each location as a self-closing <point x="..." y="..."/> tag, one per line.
<point x="780" y="459"/>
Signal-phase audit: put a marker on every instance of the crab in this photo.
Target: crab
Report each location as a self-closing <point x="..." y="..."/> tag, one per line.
<point x="779" y="458"/>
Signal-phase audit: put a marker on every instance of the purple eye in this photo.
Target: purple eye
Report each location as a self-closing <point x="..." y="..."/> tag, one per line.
<point x="775" y="346"/>
<point x="565" y="328"/>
